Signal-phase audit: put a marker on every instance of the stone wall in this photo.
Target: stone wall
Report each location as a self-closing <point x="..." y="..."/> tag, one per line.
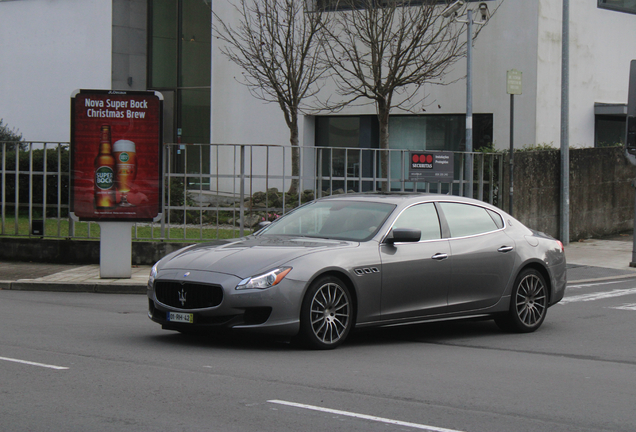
<point x="601" y="192"/>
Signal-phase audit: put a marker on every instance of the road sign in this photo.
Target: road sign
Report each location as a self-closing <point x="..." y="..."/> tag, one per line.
<point x="514" y="82"/>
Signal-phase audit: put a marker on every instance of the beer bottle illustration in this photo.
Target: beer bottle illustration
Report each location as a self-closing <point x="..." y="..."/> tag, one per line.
<point x="105" y="173"/>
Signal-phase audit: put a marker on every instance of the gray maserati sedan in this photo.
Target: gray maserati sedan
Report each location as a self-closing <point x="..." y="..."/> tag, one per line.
<point x="361" y="260"/>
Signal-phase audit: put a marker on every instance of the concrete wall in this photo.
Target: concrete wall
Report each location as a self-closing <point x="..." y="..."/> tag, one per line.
<point x="601" y="194"/>
<point x="78" y="251"/>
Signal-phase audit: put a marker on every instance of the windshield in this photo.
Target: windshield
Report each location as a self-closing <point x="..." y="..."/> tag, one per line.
<point x="337" y="219"/>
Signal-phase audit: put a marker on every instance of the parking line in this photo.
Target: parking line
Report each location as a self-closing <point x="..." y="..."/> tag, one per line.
<point x="363" y="416"/>
<point x="33" y="363"/>
<point x="630" y="307"/>
<point x="598" y="296"/>
<point x="591" y="284"/>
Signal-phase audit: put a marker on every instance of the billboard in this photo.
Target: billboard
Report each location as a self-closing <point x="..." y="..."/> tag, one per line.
<point x="116" y="155"/>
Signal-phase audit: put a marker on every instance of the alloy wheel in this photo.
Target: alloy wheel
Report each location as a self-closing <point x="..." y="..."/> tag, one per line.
<point x="531" y="300"/>
<point x="330" y="313"/>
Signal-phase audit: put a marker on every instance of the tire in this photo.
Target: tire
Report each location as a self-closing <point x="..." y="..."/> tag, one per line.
<point x="528" y="304"/>
<point x="326" y="316"/>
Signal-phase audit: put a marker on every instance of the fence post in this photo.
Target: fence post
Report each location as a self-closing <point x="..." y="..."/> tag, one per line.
<point x="242" y="191"/>
<point x="164" y="164"/>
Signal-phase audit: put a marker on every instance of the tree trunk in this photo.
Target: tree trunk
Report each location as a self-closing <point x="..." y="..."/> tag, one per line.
<point x="295" y="154"/>
<point x="383" y="120"/>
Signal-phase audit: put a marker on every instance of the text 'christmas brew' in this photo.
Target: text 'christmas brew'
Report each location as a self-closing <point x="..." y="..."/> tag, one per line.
<point x="116" y="155"/>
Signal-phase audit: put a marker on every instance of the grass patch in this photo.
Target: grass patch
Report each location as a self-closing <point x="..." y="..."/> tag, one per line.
<point x="61" y="229"/>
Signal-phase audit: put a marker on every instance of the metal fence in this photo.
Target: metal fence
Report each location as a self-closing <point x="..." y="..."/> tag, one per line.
<point x="221" y="191"/>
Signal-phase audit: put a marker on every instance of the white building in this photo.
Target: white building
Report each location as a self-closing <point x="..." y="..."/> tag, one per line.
<point x="51" y="47"/>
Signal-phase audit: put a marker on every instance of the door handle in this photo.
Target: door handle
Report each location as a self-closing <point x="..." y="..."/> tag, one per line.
<point x="505" y="249"/>
<point x="439" y="256"/>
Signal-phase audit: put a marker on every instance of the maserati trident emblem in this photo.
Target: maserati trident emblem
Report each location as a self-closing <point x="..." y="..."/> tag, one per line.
<point x="182" y="296"/>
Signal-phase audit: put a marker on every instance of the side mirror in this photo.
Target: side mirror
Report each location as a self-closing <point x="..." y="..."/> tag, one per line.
<point x="404" y="235"/>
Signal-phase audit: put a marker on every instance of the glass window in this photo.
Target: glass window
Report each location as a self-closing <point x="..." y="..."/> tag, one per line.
<point x="196" y="45"/>
<point x="618" y="5"/>
<point x="497" y="218"/>
<point x="337" y="219"/>
<point x="179" y="65"/>
<point x="465" y="219"/>
<point x="163" y="54"/>
<point x="422" y="217"/>
<point x="610" y="131"/>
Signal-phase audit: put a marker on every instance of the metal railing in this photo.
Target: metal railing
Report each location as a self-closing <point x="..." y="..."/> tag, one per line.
<point x="219" y="190"/>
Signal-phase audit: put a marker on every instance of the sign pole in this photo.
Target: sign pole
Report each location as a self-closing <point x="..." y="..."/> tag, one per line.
<point x="630" y="137"/>
<point x="514" y="85"/>
<point x="512" y="150"/>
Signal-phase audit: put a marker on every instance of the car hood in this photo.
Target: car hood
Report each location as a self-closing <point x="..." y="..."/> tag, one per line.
<point x="248" y="256"/>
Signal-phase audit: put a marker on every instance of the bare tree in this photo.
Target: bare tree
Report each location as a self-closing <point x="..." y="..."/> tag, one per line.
<point x="384" y="51"/>
<point x="277" y="43"/>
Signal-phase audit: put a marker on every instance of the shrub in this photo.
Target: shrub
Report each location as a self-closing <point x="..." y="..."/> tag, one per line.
<point x="10" y="136"/>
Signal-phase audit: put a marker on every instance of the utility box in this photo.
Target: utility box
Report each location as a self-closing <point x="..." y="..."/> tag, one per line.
<point x="37" y="227"/>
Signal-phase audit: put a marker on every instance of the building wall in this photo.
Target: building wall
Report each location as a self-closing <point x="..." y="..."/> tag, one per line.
<point x="509" y="41"/>
<point x="601" y="48"/>
<point x="48" y="49"/>
<point x="51" y="47"/>
<point x="238" y="117"/>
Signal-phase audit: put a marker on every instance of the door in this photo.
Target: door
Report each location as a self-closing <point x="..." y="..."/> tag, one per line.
<point x="483" y="256"/>
<point x="415" y="275"/>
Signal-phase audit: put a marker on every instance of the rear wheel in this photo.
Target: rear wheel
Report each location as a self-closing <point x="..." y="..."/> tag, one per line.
<point x="528" y="304"/>
<point x="326" y="317"/>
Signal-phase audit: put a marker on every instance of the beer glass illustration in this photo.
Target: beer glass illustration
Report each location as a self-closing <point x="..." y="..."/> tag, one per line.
<point x="125" y="168"/>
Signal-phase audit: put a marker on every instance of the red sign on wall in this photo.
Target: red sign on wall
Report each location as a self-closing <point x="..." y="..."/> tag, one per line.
<point x="116" y="155"/>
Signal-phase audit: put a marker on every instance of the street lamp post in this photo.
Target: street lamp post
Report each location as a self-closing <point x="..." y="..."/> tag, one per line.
<point x="469" y="21"/>
<point x="469" y="105"/>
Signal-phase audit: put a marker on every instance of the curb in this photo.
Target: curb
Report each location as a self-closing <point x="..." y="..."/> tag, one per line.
<point x="74" y="287"/>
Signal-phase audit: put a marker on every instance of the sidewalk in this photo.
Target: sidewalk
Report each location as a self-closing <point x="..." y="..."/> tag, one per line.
<point x="69" y="278"/>
<point x="587" y="260"/>
<point x="606" y="259"/>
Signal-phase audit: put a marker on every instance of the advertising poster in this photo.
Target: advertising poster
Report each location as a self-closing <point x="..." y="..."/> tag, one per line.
<point x="116" y="155"/>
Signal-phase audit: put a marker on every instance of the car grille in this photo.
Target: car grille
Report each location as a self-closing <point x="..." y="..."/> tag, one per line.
<point x="188" y="295"/>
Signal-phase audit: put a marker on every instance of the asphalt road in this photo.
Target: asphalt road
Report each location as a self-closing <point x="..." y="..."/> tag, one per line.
<point x="121" y="372"/>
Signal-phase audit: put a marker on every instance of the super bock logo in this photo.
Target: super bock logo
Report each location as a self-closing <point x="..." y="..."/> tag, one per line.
<point x="104" y="177"/>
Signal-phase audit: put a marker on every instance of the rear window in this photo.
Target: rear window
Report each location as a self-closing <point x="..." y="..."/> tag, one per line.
<point x="466" y="219"/>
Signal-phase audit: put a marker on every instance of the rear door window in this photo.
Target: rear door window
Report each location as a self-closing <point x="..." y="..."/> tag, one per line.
<point x="466" y="219"/>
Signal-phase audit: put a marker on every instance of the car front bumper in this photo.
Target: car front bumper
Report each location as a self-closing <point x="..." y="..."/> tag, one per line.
<point x="274" y="310"/>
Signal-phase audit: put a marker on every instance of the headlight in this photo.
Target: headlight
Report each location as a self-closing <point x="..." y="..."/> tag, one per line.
<point x="153" y="274"/>
<point x="264" y="281"/>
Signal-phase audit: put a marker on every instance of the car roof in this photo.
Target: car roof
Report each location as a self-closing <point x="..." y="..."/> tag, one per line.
<point x="405" y="198"/>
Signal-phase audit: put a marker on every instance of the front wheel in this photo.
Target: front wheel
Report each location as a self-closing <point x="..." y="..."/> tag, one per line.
<point x="326" y="317"/>
<point x="528" y="304"/>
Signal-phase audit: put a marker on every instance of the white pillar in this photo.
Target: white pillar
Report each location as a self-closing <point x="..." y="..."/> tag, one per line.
<point x="115" y="250"/>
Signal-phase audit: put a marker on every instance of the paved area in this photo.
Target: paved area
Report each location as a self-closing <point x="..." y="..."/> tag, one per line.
<point x="67" y="277"/>
<point x="587" y="260"/>
<point x="606" y="258"/>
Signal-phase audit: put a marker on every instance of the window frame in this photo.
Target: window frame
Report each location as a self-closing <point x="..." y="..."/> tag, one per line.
<point x="446" y="226"/>
<point x="442" y="230"/>
<point x="602" y="5"/>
